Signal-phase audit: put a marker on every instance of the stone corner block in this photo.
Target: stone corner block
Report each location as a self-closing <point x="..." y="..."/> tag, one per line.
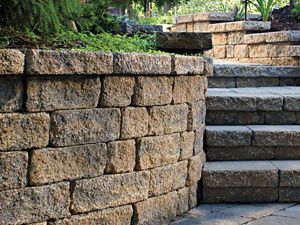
<point x="184" y="65"/>
<point x="12" y="61"/>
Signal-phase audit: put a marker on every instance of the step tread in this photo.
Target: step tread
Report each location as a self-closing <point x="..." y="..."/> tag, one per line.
<point x="239" y="166"/>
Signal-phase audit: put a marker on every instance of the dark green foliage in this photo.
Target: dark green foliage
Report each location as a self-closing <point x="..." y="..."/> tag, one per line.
<point x="296" y="12"/>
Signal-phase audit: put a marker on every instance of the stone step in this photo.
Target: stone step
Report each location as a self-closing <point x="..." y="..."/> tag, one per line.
<point x="228" y="74"/>
<point x="256" y="142"/>
<point x="251" y="181"/>
<point x="261" y="105"/>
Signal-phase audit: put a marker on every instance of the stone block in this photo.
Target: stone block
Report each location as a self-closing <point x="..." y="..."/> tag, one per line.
<point x="117" y="91"/>
<point x="11" y="93"/>
<point x="157" y="151"/>
<point x="289" y="194"/>
<point x="187" y="65"/>
<point x="234" y="118"/>
<point x="230" y="51"/>
<point x="197" y="114"/>
<point x="282" y="117"/>
<point x="255" y="38"/>
<point x="70" y="163"/>
<point x="236" y="38"/>
<point x="135" y="122"/>
<point x="44" y="62"/>
<point x="193" y="196"/>
<point x="181" y="27"/>
<point x="13" y="167"/>
<point x="257" y="82"/>
<point x="219" y="51"/>
<point x="184" y="18"/>
<point x="168" y="119"/>
<point x="292" y="103"/>
<point x="110" y="191"/>
<point x="112" y="216"/>
<point x="287" y="153"/>
<point x="195" y="169"/>
<point x="163" y="213"/>
<point x="201" y="26"/>
<point x="199" y="137"/>
<point x="48" y="94"/>
<point x="289" y="173"/>
<point x="285" y="61"/>
<point x="213" y="17"/>
<point x="221" y="82"/>
<point x="283" y="36"/>
<point x="219" y="39"/>
<point x="189" y="27"/>
<point x="73" y="127"/>
<point x="248" y="26"/>
<point x="151" y="91"/>
<point x="241" y="51"/>
<point x="168" y="178"/>
<point x="143" y="64"/>
<point x="24" y="131"/>
<point x="183" y="201"/>
<point x="187" y="145"/>
<point x="34" y="204"/>
<point x="120" y="156"/>
<point x="11" y="62"/>
<point x="258" y="51"/>
<point x="189" y="89"/>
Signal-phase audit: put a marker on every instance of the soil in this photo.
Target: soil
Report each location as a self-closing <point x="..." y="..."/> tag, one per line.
<point x="281" y="19"/>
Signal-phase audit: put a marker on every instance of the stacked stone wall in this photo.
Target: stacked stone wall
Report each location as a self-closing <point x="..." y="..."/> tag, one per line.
<point x="100" y="138"/>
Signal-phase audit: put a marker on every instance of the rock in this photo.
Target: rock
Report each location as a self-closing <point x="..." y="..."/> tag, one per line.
<point x="11" y="93"/>
<point x="73" y="127"/>
<point x="48" y="94"/>
<point x="220" y="39"/>
<point x="110" y="191"/>
<point x="24" y="131"/>
<point x="195" y="168"/>
<point x="53" y="165"/>
<point x="44" y="62"/>
<point x="34" y="204"/>
<point x="199" y="137"/>
<point x="235" y="38"/>
<point x="197" y="114"/>
<point x="157" y="151"/>
<point x="183" y="201"/>
<point x="189" y="65"/>
<point x="187" y="145"/>
<point x="121" y="156"/>
<point x="130" y="27"/>
<point x="11" y="62"/>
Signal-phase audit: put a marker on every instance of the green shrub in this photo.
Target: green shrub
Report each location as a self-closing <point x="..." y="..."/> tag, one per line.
<point x="264" y="7"/>
<point x="296" y="12"/>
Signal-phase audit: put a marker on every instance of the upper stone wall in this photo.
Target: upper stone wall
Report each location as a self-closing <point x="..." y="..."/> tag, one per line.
<point x="100" y="138"/>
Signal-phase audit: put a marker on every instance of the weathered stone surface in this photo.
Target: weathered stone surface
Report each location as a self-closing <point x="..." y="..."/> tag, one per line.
<point x="13" y="167"/>
<point x="242" y="195"/>
<point x="117" y="91"/>
<point x="42" y="223"/>
<point x="33" y="204"/>
<point x="113" y="216"/>
<point x="183" y="201"/>
<point x="187" y="145"/>
<point x="274" y="220"/>
<point x="121" y="156"/>
<point x="220" y="39"/>
<point x="213" y="17"/>
<point x="168" y="119"/>
<point x="273" y="37"/>
<point x="289" y="194"/>
<point x="221" y="82"/>
<point x="48" y="94"/>
<point x="199" y="137"/>
<point x="184" y="18"/>
<point x="138" y="63"/>
<point x="197" y="114"/>
<point x="229" y="51"/>
<point x="240" y="174"/>
<point x="189" y="89"/>
<point x="157" y="151"/>
<point x="287" y="153"/>
<point x="236" y="38"/>
<point x="241" y="51"/>
<point x="53" y="165"/>
<point x="44" y="62"/>
<point x="189" y="65"/>
<point x="193" y="196"/>
<point x="11" y="93"/>
<point x="257" y="82"/>
<point x="258" y="51"/>
<point x="200" y="26"/>
<point x="153" y="91"/>
<point x="240" y="26"/>
<point x="24" y="131"/>
<point x="289" y="173"/>
<point x="164" y="211"/>
<point x="85" y="126"/>
<point x="234" y="118"/>
<point x="292" y="103"/>
<point x="134" y="122"/>
<point x="282" y="117"/>
<point x="11" y="62"/>
<point x="179" y="41"/>
<point x="195" y="168"/>
<point x="219" y="51"/>
<point x="228" y="136"/>
<point x="168" y="178"/>
<point x="109" y="191"/>
<point x="190" y="27"/>
<point x="181" y="27"/>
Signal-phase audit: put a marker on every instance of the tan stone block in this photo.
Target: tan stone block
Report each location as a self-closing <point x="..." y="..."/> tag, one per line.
<point x="190" y="27"/>
<point x="157" y="151"/>
<point x="199" y="136"/>
<point x="167" y="178"/>
<point x="189" y="89"/>
<point x="213" y="16"/>
<point x="219" y="52"/>
<point x="278" y="50"/>
<point x="11" y="93"/>
<point x="157" y="210"/>
<point x="187" y="145"/>
<point x="195" y="168"/>
<point x="196" y="116"/>
<point x="48" y="94"/>
<point x="112" y="216"/>
<point x="193" y="196"/>
<point x="117" y="91"/>
<point x="185" y="65"/>
<point x="168" y="119"/>
<point x="44" y="62"/>
<point x="24" y="131"/>
<point x="73" y="127"/>
<point x="12" y="61"/>
<point x="42" y="223"/>
<point x="258" y="51"/>
<point x="217" y="28"/>
<point x="255" y="38"/>
<point x="248" y="26"/>
<point x="183" y="201"/>
<point x="241" y="51"/>
<point x="110" y="191"/>
<point x="59" y="164"/>
<point x="201" y="26"/>
<point x="184" y="18"/>
<point x="181" y="27"/>
<point x="235" y="38"/>
<point x="285" y="61"/>
<point x="121" y="156"/>
<point x="142" y="64"/>
<point x="153" y="91"/>
<point x="230" y="51"/>
<point x="134" y="122"/>
<point x="13" y="170"/>
<point x="33" y="204"/>
<point x="219" y="39"/>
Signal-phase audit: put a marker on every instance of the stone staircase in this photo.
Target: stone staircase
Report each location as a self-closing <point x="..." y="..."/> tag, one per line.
<point x="252" y="136"/>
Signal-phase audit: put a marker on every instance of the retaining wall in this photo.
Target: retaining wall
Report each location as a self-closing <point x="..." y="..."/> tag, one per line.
<point x="100" y="138"/>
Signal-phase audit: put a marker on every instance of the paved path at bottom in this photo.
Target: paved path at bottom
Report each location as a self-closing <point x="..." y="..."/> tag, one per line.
<point x="240" y="214"/>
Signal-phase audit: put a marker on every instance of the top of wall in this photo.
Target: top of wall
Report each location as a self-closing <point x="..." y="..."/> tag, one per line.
<point x="204" y="17"/>
<point x="54" y="62"/>
<point x="240" y="26"/>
